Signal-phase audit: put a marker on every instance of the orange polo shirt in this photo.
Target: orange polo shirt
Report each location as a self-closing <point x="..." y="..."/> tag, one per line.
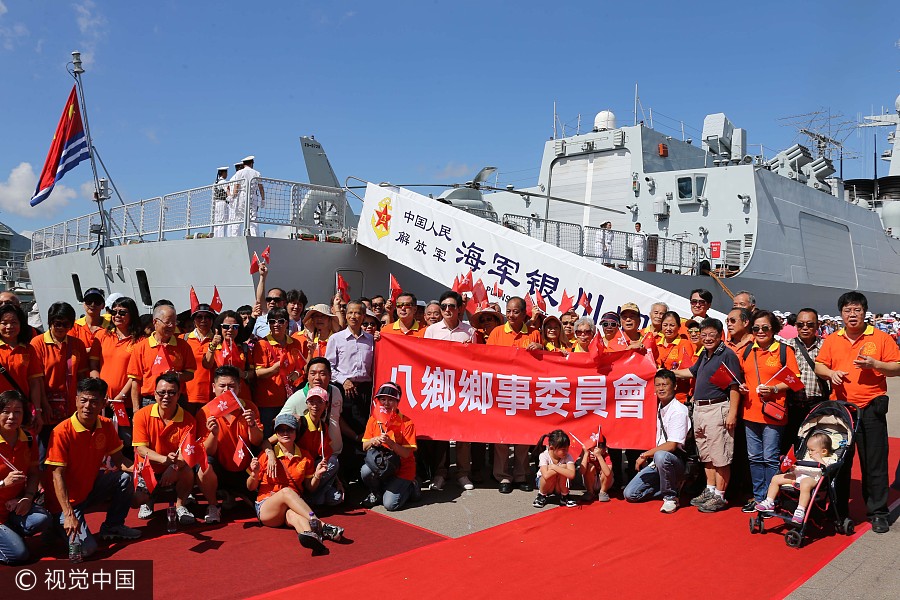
<point x="311" y="439"/>
<point x="271" y="392"/>
<point x="81" y="451"/>
<point x="860" y="385"/>
<point x="199" y="389"/>
<point x="22" y="363"/>
<point x="402" y="431"/>
<point x="768" y="361"/>
<point x="677" y="355"/>
<point x="505" y="336"/>
<point x="318" y="350"/>
<point x="394" y="329"/>
<point x="234" y="357"/>
<point x="140" y="367"/>
<point x="294" y="470"/>
<point x="83" y="332"/>
<point x="115" y="354"/>
<point x="231" y="428"/>
<point x="64" y="364"/>
<point x="23" y="455"/>
<point x="150" y="430"/>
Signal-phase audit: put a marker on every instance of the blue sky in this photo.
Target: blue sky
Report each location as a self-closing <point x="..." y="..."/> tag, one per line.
<point x="412" y="92"/>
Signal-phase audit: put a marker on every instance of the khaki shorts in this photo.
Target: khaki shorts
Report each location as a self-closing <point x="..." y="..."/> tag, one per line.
<point x="715" y="444"/>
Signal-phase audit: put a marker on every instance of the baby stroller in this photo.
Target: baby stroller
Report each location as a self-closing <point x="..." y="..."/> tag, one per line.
<point x="836" y="420"/>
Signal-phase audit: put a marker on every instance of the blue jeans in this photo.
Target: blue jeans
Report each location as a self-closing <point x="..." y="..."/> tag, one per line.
<point x="115" y="486"/>
<point x="327" y="493"/>
<point x="662" y="480"/>
<point x="395" y="491"/>
<point x="764" y="453"/>
<point x="12" y="546"/>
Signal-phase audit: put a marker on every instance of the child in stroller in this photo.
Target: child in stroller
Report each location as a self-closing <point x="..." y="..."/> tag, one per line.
<point x="804" y="478"/>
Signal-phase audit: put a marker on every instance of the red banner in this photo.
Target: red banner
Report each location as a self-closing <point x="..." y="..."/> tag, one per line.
<point x="478" y="393"/>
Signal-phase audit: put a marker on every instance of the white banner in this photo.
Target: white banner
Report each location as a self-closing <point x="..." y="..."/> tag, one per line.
<point x="443" y="242"/>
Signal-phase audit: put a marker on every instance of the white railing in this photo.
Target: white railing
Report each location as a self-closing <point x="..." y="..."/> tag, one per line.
<point x="301" y="208"/>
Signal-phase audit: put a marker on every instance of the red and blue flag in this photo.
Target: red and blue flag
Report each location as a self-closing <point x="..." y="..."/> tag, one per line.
<point x="69" y="147"/>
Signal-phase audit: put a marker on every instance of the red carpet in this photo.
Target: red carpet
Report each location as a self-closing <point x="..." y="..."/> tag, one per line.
<point x="615" y="548"/>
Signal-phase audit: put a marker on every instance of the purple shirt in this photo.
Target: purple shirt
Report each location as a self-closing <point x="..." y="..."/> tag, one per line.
<point x="350" y="356"/>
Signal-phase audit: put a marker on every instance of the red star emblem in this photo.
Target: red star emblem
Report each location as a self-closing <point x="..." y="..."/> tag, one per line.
<point x="384" y="218"/>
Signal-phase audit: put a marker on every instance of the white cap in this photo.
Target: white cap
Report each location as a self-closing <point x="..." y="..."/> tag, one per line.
<point x="110" y="300"/>
<point x="421" y="303"/>
<point x="222" y="169"/>
<point x="248" y="158"/>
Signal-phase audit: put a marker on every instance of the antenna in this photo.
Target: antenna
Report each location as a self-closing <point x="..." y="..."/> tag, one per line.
<point x="825" y="131"/>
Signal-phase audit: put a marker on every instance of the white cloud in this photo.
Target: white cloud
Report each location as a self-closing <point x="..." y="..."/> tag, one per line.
<point x="3" y="9"/>
<point x="454" y="170"/>
<point x="92" y="26"/>
<point x="18" y="188"/>
<point x="87" y="190"/>
<point x="10" y="34"/>
<point x="282" y="231"/>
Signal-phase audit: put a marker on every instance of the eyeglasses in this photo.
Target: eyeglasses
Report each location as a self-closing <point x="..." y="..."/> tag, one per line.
<point x="696" y="301"/>
<point x="119" y="313"/>
<point x="230" y="326"/>
<point x="274" y="298"/>
<point x="694" y="331"/>
<point x="583" y="332"/>
<point x="608" y="324"/>
<point x="762" y="328"/>
<point x="167" y="393"/>
<point x="281" y="321"/>
<point x="708" y="336"/>
<point x="806" y="324"/>
<point x="852" y="311"/>
<point x="371" y="324"/>
<point x="732" y="320"/>
<point x="378" y="305"/>
<point x="446" y="306"/>
<point x="94" y="302"/>
<point x="165" y="323"/>
<point x="404" y="304"/>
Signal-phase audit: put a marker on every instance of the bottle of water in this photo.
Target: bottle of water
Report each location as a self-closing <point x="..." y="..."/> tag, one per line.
<point x="75" y="551"/>
<point x="314" y="524"/>
<point x="171" y="518"/>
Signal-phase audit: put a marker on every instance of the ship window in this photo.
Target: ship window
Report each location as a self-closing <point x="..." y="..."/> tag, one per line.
<point x="700" y="183"/>
<point x="144" y="287"/>
<point x="685" y="188"/>
<point x="76" y="282"/>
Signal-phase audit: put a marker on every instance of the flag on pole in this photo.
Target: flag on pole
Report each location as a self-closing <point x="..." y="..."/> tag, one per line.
<point x="216" y="302"/>
<point x="479" y="293"/>
<point x="144" y="469"/>
<point x="539" y="300"/>
<point x="566" y="304"/>
<point x="465" y="283"/>
<point x="497" y="291"/>
<point x="455" y="286"/>
<point x="11" y="466"/>
<point x="195" y="302"/>
<point x="120" y="413"/>
<point x="225" y="404"/>
<point x="192" y="451"/>
<point x="785" y="376"/>
<point x="395" y="288"/>
<point x="68" y="148"/>
<point x="585" y="303"/>
<point x="267" y="254"/>
<point x="788" y="460"/>
<point x="241" y="452"/>
<point x="343" y="287"/>
<point x="723" y="378"/>
<point x="254" y="264"/>
<point x="161" y="362"/>
<point x="529" y="305"/>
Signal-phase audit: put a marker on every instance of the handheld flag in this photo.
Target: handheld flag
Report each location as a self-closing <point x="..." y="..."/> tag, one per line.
<point x="343" y="287"/>
<point x="11" y="466"/>
<point x="465" y="283"/>
<point x="267" y="254"/>
<point x="585" y="303"/>
<point x="541" y="303"/>
<point x="120" y="413"/>
<point x="254" y="264"/>
<point x="479" y="293"/>
<point x="195" y="302"/>
<point x="785" y="376"/>
<point x="216" y="302"/>
<point x="529" y="305"/>
<point x="722" y="378"/>
<point x="161" y="362"/>
<point x="144" y="469"/>
<point x="566" y="304"/>
<point x="455" y="286"/>
<point x="192" y="451"/>
<point x="788" y="460"/>
<point x="241" y="452"/>
<point x="68" y="148"/>
<point x="225" y="404"/>
<point x="395" y="288"/>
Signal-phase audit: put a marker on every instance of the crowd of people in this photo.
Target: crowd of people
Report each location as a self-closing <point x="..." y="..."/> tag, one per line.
<point x="276" y="405"/>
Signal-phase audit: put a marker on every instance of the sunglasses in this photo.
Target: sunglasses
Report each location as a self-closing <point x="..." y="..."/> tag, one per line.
<point x="404" y="304"/>
<point x="277" y="321"/>
<point x="119" y="313"/>
<point x="377" y="304"/>
<point x="806" y="324"/>
<point x="608" y="324"/>
<point x="448" y="306"/>
<point x="695" y="301"/>
<point x="230" y="326"/>
<point x="368" y="324"/>
<point x="762" y="328"/>
<point x="274" y="298"/>
<point x="167" y="393"/>
<point x="732" y="320"/>
<point x="94" y="302"/>
<point x="583" y="332"/>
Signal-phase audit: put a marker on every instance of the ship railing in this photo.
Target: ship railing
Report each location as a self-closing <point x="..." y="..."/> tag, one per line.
<point x="484" y="214"/>
<point x="567" y="236"/>
<point x="277" y="208"/>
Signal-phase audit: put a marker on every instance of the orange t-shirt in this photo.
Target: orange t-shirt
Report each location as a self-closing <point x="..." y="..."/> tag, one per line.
<point x="83" y="333"/>
<point x="291" y="473"/>
<point x="505" y="336"/>
<point x="402" y="431"/>
<point x="64" y="364"/>
<point x="860" y="385"/>
<point x="115" y="354"/>
<point x="199" y="389"/>
<point x="768" y="361"/>
<point x="233" y="355"/>
<point x="81" y="452"/>
<point x="151" y="431"/>
<point x="677" y="355"/>
<point x="394" y="329"/>
<point x="231" y="428"/>
<point x="271" y="392"/>
<point x="318" y="349"/>
<point x="23" y="456"/>
<point x="311" y="440"/>
<point x="140" y="367"/>
<point x="22" y="363"/>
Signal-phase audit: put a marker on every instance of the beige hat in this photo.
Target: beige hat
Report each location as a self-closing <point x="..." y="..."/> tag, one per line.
<point x="630" y="306"/>
<point x="320" y="309"/>
<point x="481" y="313"/>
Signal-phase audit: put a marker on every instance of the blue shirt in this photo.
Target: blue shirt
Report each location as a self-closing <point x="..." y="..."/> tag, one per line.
<point x="351" y="357"/>
<point x="706" y="365"/>
<point x="261" y="328"/>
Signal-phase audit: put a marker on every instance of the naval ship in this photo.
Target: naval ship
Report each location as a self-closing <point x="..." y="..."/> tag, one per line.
<point x="712" y="216"/>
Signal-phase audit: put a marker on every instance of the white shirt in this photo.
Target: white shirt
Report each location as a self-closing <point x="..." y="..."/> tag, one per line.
<point x="440" y="331"/>
<point x="245" y="175"/>
<point x="677" y="421"/>
<point x="637" y="241"/>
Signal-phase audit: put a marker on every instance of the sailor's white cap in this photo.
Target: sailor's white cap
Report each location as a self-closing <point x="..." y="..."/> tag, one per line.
<point x="248" y="158"/>
<point x="222" y="169"/>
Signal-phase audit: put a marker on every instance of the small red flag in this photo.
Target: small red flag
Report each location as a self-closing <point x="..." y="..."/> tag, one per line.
<point x="343" y="287"/>
<point x="144" y="468"/>
<point x="455" y="286"/>
<point x="120" y="413"/>
<point x="216" y="302"/>
<point x="194" y="301"/>
<point x="254" y="264"/>
<point x="497" y="291"/>
<point x="192" y="451"/>
<point x="465" y="283"/>
<point x="541" y="303"/>
<point x="479" y="293"/>
<point x="267" y="254"/>
<point x="225" y="404"/>
<point x="784" y="375"/>
<point x="788" y="460"/>
<point x="241" y="453"/>
<point x="161" y="363"/>
<point x="566" y="304"/>
<point x="529" y="305"/>
<point x="585" y="303"/>
<point x="722" y="378"/>
<point x="396" y="290"/>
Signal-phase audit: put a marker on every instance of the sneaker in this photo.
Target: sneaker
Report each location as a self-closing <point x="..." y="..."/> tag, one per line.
<point x="567" y="501"/>
<point x="184" y="516"/>
<point x="311" y="541"/>
<point x="798" y="517"/>
<point x="714" y="504"/>
<point x="118" y="532"/>
<point x="465" y="483"/>
<point x="669" y="506"/>
<point x="750" y="507"/>
<point x="371" y="500"/>
<point x="437" y="483"/>
<point x="145" y="511"/>
<point x="213" y="514"/>
<point x="332" y="532"/>
<point x="602" y="497"/>
<point x="540" y="501"/>
<point x="766" y="506"/>
<point x="704" y="496"/>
